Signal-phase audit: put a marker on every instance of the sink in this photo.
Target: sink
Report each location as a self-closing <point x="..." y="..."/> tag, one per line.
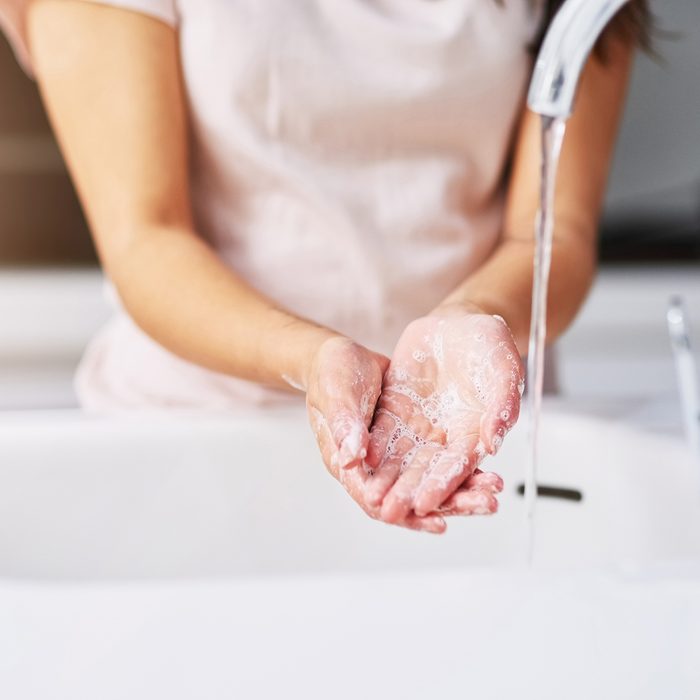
<point x="187" y="556"/>
<point x="187" y="496"/>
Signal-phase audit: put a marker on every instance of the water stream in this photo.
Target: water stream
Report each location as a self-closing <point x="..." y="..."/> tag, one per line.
<point x="552" y="138"/>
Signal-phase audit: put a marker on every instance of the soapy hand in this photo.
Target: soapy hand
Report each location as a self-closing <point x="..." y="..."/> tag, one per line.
<point x="344" y="384"/>
<point x="451" y="393"/>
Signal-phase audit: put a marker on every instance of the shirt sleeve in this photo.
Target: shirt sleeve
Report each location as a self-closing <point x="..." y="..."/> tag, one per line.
<point x="13" y="20"/>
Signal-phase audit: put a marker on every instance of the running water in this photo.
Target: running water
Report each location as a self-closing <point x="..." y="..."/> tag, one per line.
<point x="552" y="137"/>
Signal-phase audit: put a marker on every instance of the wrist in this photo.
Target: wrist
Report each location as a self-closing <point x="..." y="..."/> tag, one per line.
<point x="288" y="346"/>
<point x="309" y="344"/>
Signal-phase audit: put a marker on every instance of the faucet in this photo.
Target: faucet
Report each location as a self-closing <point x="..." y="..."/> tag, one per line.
<point x="569" y="40"/>
<point x="687" y="372"/>
<point x="566" y="46"/>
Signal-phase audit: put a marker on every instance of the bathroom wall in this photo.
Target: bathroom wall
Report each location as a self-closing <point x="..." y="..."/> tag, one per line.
<point x="656" y="170"/>
<point x="657" y="164"/>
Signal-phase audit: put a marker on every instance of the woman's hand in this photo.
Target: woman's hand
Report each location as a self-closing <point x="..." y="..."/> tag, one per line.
<point x="342" y="388"/>
<point x="343" y="385"/>
<point x="451" y="393"/>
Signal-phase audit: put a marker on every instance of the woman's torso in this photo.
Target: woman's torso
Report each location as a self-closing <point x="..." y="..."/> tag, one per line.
<point x="347" y="159"/>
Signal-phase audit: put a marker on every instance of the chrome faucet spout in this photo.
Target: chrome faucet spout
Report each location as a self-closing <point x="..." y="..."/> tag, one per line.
<point x="568" y="42"/>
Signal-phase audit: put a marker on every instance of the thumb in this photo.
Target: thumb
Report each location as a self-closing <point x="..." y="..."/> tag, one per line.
<point x="349" y="413"/>
<point x="351" y="438"/>
<point x="349" y="428"/>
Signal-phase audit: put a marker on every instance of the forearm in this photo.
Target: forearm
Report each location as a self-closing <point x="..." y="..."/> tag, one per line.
<point x="503" y="285"/>
<point x="128" y="155"/>
<point x="179" y="292"/>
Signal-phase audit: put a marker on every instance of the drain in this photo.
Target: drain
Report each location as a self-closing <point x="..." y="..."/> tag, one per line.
<point x="554" y="492"/>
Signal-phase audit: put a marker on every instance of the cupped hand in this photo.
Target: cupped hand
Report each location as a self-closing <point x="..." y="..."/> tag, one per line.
<point x="344" y="384"/>
<point x="451" y="393"/>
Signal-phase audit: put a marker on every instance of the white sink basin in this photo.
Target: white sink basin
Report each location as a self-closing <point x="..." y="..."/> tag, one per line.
<point x="316" y="601"/>
<point x="192" y="496"/>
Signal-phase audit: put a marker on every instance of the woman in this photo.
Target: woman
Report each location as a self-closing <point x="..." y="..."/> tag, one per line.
<point x="314" y="195"/>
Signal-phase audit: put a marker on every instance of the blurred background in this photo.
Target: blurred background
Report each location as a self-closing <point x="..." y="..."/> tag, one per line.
<point x="50" y="288"/>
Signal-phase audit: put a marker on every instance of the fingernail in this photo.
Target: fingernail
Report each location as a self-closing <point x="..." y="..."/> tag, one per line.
<point x="496" y="443"/>
<point x="496" y="483"/>
<point x="497" y="439"/>
<point x="436" y="525"/>
<point x="488" y="507"/>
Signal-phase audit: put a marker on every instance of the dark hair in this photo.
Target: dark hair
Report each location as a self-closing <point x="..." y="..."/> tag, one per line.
<point x="633" y="23"/>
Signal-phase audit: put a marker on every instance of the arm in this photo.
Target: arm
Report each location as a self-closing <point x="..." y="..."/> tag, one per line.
<point x="503" y="285"/>
<point x="112" y="85"/>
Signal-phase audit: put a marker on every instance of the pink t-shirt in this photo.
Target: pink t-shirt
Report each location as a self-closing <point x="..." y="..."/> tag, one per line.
<point x="348" y="161"/>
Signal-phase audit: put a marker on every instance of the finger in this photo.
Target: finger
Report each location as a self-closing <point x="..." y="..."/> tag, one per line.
<point x="472" y="501"/>
<point x="399" y="501"/>
<point x="504" y="408"/>
<point x="382" y="430"/>
<point x="353" y="442"/>
<point x="350" y="436"/>
<point x="381" y="480"/>
<point x="488" y="481"/>
<point x="456" y="463"/>
<point x="398" y="456"/>
<point x="383" y="477"/>
<point x="352" y="482"/>
<point x="434" y="524"/>
<point x="323" y="438"/>
<point x="494" y="427"/>
<point x="353" y="436"/>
